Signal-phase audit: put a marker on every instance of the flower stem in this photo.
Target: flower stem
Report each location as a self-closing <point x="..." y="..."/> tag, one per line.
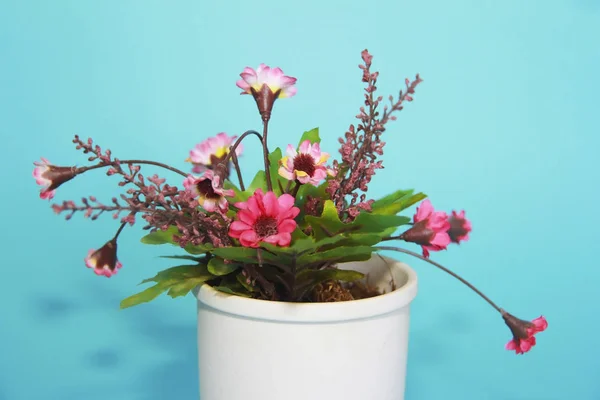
<point x="455" y="275"/>
<point x="236" y="164"/>
<point x="148" y="162"/>
<point x="266" y="155"/>
<point x="296" y="189"/>
<point x="120" y="230"/>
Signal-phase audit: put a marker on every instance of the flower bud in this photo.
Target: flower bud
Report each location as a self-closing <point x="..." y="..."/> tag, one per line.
<point x="50" y="177"/>
<point x="104" y="260"/>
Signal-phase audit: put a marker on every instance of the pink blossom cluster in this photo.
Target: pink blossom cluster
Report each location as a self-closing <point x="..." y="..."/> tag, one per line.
<point x="362" y="144"/>
<point x="435" y="230"/>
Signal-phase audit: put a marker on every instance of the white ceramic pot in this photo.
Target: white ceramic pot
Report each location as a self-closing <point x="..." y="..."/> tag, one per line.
<point x="264" y="350"/>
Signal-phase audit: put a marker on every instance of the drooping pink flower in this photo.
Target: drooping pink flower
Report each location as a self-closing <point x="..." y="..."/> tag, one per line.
<point x="266" y="85"/>
<point x="104" y="260"/>
<point x="208" y="153"/>
<point x="459" y="227"/>
<point x="430" y="229"/>
<point x="265" y="218"/>
<point x="307" y="165"/>
<point x="206" y="188"/>
<point x="523" y="332"/>
<point x="50" y="177"/>
<point x="274" y="78"/>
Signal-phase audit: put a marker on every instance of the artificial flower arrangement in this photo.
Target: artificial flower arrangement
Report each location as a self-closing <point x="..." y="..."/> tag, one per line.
<point x="281" y="237"/>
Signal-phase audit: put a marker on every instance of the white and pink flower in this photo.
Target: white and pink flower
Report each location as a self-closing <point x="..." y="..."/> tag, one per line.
<point x="307" y="165"/>
<point x="50" y="177"/>
<point x="265" y="218"/>
<point x="212" y="150"/>
<point x="274" y="78"/>
<point x="206" y="188"/>
<point x="104" y="261"/>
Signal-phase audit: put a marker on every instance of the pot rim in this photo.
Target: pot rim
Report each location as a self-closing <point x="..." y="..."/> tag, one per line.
<point x="279" y="311"/>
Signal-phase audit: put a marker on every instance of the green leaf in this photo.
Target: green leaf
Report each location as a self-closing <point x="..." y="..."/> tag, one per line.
<point x="276" y="180"/>
<point x="374" y="223"/>
<point x="180" y="272"/>
<point x="391" y="198"/>
<point x="161" y="237"/>
<point x="329" y="274"/>
<point x="259" y="182"/>
<point x="183" y="288"/>
<point x="218" y="266"/>
<point x="411" y="200"/>
<point x="177" y="280"/>
<point x="228" y="290"/>
<point x="312" y="135"/>
<point x="199" y="248"/>
<point x="338" y="255"/>
<point x="242" y="281"/>
<point x="328" y="224"/>
<point x="396" y="202"/>
<point x="145" y="296"/>
<point x="191" y="258"/>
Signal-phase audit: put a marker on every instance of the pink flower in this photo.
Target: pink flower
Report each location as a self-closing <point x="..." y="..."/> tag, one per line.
<point x="265" y="218"/>
<point x="206" y="188"/>
<point x="212" y="151"/>
<point x="50" y="177"/>
<point x="104" y="260"/>
<point x="274" y="78"/>
<point x="523" y="332"/>
<point x="307" y="165"/>
<point x="266" y="85"/>
<point x="459" y="227"/>
<point x="430" y="229"/>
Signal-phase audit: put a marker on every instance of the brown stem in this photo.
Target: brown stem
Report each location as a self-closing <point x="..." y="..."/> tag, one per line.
<point x="237" y="143"/>
<point x="266" y="156"/>
<point x="120" y="229"/>
<point x="296" y="189"/>
<point x="236" y="164"/>
<point x="411" y="253"/>
<point x="148" y="162"/>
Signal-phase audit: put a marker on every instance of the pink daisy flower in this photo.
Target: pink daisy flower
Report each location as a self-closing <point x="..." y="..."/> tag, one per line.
<point x="265" y="218"/>
<point x="212" y="151"/>
<point x="274" y="78"/>
<point x="307" y="165"/>
<point x="206" y="188"/>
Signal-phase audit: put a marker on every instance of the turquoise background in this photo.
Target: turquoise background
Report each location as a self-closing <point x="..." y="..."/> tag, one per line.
<point x="505" y="125"/>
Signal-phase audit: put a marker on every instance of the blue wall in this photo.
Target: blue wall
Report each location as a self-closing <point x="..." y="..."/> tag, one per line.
<point x="505" y="125"/>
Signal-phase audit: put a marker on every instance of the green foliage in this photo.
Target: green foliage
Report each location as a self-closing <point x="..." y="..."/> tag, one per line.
<point x="312" y="135"/>
<point x="178" y="281"/>
<point x="318" y="244"/>
<point x="160" y="237"/>
<point x="218" y="266"/>
<point x="398" y="201"/>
